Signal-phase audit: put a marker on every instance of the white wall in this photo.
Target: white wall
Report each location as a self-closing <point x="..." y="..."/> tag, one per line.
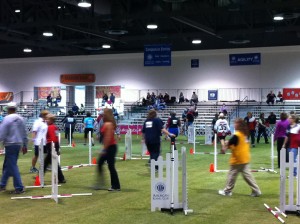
<point x="280" y="67"/>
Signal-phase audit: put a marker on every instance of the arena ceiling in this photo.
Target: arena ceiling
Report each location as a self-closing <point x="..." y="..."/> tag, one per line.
<point x="219" y="24"/>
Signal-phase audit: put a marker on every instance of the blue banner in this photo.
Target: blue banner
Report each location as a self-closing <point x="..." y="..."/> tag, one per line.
<point x="244" y="59"/>
<point x="212" y="94"/>
<point x="195" y="63"/>
<point x="157" y="55"/>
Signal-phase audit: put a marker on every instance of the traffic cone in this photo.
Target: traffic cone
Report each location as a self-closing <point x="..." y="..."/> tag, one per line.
<point x="211" y="168"/>
<point x="37" y="181"/>
<point x="73" y="145"/>
<point x="147" y="153"/>
<point x="94" y="160"/>
<point x="124" y="156"/>
<point x="191" y="151"/>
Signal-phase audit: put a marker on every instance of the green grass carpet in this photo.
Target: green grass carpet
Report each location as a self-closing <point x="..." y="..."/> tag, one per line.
<point x="132" y="204"/>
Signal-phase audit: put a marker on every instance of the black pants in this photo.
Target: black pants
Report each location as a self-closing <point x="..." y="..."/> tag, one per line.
<point x="109" y="156"/>
<point x="262" y="131"/>
<point x="280" y="142"/>
<point x="67" y="134"/>
<point x="252" y="136"/>
<point x="48" y="160"/>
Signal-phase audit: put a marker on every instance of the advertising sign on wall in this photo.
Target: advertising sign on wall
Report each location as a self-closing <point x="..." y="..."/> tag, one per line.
<point x="291" y="94"/>
<point x="135" y="129"/>
<point x="101" y="90"/>
<point x="6" y="96"/>
<point x="72" y="79"/>
<point x="43" y="92"/>
<point x="212" y="94"/>
<point x="157" y="55"/>
<point x="244" y="59"/>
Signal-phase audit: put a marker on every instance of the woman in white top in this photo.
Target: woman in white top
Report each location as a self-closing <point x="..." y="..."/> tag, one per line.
<point x="222" y="129"/>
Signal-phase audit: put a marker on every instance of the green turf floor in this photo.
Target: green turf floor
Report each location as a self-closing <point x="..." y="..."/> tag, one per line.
<point x="132" y="204"/>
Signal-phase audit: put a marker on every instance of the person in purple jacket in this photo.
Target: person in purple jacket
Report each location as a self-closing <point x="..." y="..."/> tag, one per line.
<point x="280" y="134"/>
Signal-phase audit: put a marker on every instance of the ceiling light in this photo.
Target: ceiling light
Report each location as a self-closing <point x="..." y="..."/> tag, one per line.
<point x="84" y="3"/>
<point x="278" y="18"/>
<point x="17" y="11"/>
<point x="48" y="34"/>
<point x="106" y="46"/>
<point x="27" y="50"/>
<point x="152" y="26"/>
<point x="59" y="7"/>
<point x="196" y="41"/>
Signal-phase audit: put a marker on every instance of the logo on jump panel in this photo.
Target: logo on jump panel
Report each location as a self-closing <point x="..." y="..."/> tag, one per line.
<point x="160" y="187"/>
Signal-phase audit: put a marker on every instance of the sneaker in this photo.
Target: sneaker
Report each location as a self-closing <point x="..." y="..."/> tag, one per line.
<point x="255" y="194"/>
<point x="113" y="189"/>
<point x="224" y="193"/>
<point x="2" y="189"/>
<point x="93" y="144"/>
<point x="18" y="191"/>
<point x="253" y="145"/>
<point x="84" y="144"/>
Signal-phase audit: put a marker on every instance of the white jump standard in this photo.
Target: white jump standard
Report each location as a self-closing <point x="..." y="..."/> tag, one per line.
<point x="289" y="200"/>
<point x="164" y="188"/>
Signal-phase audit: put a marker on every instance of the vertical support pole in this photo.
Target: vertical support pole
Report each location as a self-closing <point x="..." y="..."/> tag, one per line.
<point x="90" y="148"/>
<point x="272" y="151"/>
<point x="41" y="158"/>
<point x="282" y="197"/>
<point x="215" y="154"/>
<point x="194" y="136"/>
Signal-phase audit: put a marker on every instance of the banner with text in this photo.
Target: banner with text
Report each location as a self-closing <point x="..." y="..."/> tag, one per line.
<point x="291" y="94"/>
<point x="43" y="92"/>
<point x="101" y="90"/>
<point x="135" y="129"/>
<point x="157" y="55"/>
<point x="244" y="59"/>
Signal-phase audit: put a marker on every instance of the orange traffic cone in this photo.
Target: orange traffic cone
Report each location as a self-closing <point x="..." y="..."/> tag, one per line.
<point x="73" y="144"/>
<point x="147" y="153"/>
<point x="94" y="160"/>
<point x="37" y="181"/>
<point x="124" y="156"/>
<point x="191" y="151"/>
<point x="211" y="168"/>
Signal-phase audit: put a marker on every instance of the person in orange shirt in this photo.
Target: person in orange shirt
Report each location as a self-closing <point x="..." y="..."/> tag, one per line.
<point x="239" y="160"/>
<point x="108" y="152"/>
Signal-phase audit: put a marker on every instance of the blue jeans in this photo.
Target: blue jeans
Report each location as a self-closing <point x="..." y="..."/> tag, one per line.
<point x="10" y="167"/>
<point x="295" y="152"/>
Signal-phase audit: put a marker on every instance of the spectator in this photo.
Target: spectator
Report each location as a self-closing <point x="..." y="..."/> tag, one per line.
<point x="70" y="123"/>
<point x="194" y="99"/>
<point x="213" y="122"/>
<point x="49" y="100"/>
<point x="166" y="98"/>
<point x="181" y="98"/>
<point x="81" y="110"/>
<point x="262" y="128"/>
<point x="279" y="98"/>
<point x="251" y="123"/>
<point x="104" y="99"/>
<point x="222" y="129"/>
<point x="173" y="124"/>
<point x="223" y="109"/>
<point x="98" y="124"/>
<point x="88" y="127"/>
<point x="270" y="98"/>
<point x="280" y="134"/>
<point x="112" y="99"/>
<point x="52" y="137"/>
<point x="109" y="152"/>
<point x="39" y="131"/>
<point x="184" y="119"/>
<point x="291" y="141"/>
<point x="14" y="137"/>
<point x="239" y="160"/>
<point x="75" y="109"/>
<point x="116" y="114"/>
<point x="272" y="121"/>
<point x="190" y="118"/>
<point x="152" y="130"/>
